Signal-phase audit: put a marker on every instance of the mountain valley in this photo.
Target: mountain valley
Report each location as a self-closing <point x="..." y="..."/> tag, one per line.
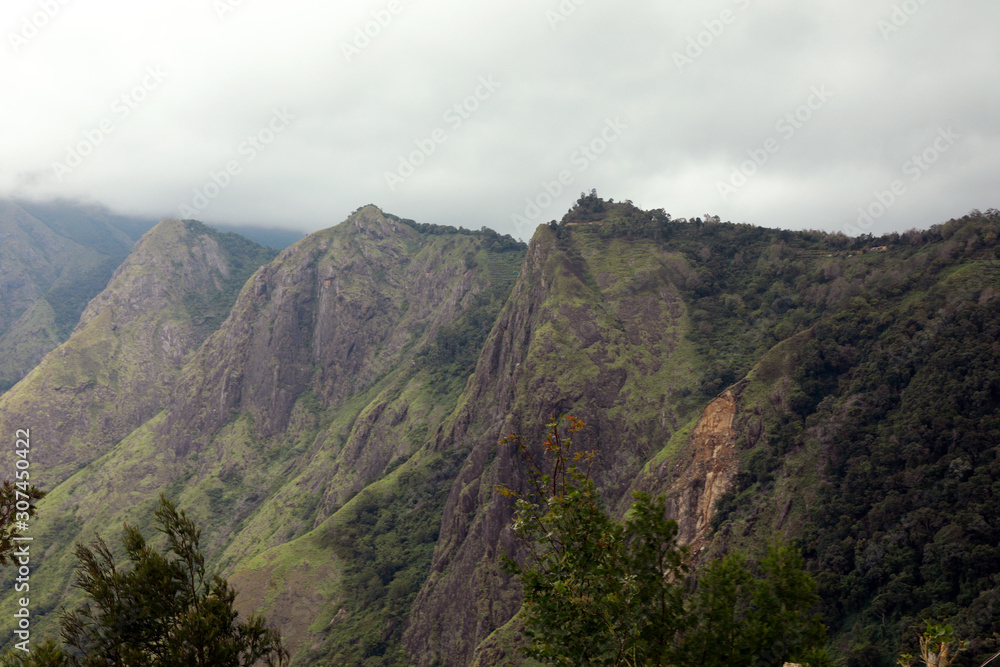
<point x="330" y="414"/>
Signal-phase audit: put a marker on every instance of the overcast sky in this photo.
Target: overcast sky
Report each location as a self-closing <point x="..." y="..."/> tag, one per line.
<point x="781" y="113"/>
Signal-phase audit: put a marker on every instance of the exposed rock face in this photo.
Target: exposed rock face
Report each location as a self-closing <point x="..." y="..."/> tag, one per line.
<point x="330" y="314"/>
<point x="595" y="333"/>
<point x="318" y="410"/>
<point x="118" y="367"/>
<point x="309" y="391"/>
<point x="575" y="337"/>
<point x="711" y="470"/>
<point x="53" y="259"/>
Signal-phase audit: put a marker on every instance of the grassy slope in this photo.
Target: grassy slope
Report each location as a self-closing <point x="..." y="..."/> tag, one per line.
<point x="95" y="388"/>
<point x="116" y="370"/>
<point x="752" y="302"/>
<point x="61" y="256"/>
<point x="634" y="327"/>
<point x="252" y="492"/>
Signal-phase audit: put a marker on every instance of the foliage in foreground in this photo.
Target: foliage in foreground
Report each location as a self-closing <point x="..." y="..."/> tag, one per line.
<point x="938" y="647"/>
<point x="17" y="505"/>
<point x="598" y="592"/>
<point x="162" y="611"/>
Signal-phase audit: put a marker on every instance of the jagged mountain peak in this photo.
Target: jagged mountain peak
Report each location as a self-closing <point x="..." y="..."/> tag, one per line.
<point x="175" y="255"/>
<point x="117" y="367"/>
<point x="372" y="221"/>
<point x="337" y="435"/>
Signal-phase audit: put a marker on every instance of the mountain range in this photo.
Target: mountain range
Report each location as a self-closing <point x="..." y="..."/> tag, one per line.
<point x="330" y="414"/>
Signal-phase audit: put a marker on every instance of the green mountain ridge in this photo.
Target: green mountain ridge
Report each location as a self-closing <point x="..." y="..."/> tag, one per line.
<point x="35" y="261"/>
<point x="119" y="365"/>
<point x="55" y="256"/>
<point x="336" y="435"/>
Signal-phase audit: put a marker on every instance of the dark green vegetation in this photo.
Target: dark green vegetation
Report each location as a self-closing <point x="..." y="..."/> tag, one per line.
<point x="17" y="504"/>
<point x="336" y="435"/>
<point x="903" y="394"/>
<point x="744" y="613"/>
<point x="598" y="592"/>
<point x="818" y="429"/>
<point x="245" y="257"/>
<point x="160" y="610"/>
<point x="452" y="356"/>
<point x="385" y="544"/>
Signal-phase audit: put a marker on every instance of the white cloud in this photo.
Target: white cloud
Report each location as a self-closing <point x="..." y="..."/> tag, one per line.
<point x="354" y="117"/>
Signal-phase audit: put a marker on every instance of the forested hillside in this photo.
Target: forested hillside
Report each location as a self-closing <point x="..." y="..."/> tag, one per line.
<point x="54" y="258"/>
<point x="333" y="421"/>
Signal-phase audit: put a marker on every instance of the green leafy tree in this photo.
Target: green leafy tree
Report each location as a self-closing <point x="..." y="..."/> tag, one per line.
<point x="163" y="611"/>
<point x="739" y="618"/>
<point x="599" y="592"/>
<point x="11" y="514"/>
<point x="938" y="646"/>
<point x="595" y="592"/>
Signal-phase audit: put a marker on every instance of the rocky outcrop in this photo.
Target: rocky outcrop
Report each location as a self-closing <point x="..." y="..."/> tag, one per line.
<point x="311" y="390"/>
<point x="331" y="314"/>
<point x="712" y="466"/>
<point x="326" y="404"/>
<point x="584" y="332"/>
<point x="118" y="368"/>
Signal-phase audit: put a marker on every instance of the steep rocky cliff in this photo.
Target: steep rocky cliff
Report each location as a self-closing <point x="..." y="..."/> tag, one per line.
<point x="53" y="259"/>
<point x="596" y="329"/>
<point x="593" y="328"/>
<point x="632" y="324"/>
<point x="337" y="435"/>
<point x="117" y="369"/>
<point x="318" y="383"/>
